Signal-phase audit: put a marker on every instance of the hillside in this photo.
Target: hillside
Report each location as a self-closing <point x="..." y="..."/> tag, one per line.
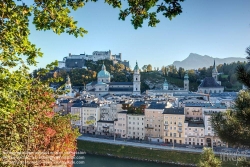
<point x="195" y="61"/>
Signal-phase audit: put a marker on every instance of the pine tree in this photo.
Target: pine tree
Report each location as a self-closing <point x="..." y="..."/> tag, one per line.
<point x="208" y="159"/>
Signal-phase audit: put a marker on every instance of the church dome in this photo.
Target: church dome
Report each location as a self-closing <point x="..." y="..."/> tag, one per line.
<point x="103" y="73"/>
<point x="186" y="76"/>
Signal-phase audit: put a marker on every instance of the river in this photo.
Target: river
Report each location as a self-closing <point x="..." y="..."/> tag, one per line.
<point x="105" y="161"/>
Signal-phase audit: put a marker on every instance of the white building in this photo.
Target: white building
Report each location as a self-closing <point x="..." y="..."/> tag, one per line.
<point x="121" y="124"/>
<point x="209" y="131"/>
<point x="136" y="127"/>
<point x="90" y="116"/>
<point x="108" y="112"/>
<point x="105" y="128"/>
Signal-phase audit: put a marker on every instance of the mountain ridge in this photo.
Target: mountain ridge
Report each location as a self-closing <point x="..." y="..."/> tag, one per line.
<point x="195" y="61"/>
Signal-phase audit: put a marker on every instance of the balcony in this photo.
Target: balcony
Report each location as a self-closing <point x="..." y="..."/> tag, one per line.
<point x="180" y="131"/>
<point x="180" y="125"/>
<point x="166" y="129"/>
<point x="166" y="124"/>
<point x="149" y="127"/>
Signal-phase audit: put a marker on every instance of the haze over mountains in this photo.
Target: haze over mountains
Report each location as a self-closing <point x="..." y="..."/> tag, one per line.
<point x="195" y="61"/>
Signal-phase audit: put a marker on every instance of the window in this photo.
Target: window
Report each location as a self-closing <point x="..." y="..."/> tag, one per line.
<point x="179" y="134"/>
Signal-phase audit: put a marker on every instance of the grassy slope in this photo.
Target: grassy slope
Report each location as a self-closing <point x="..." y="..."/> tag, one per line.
<point x="142" y="153"/>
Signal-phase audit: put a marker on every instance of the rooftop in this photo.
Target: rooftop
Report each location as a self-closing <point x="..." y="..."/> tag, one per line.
<point x="120" y="83"/>
<point x="155" y="105"/>
<point x="179" y="111"/>
<point x="210" y="82"/>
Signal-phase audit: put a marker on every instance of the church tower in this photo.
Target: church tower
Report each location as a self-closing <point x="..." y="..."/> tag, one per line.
<point x="215" y="72"/>
<point x="186" y="82"/>
<point x="165" y="85"/>
<point x="136" y="81"/>
<point x="68" y="86"/>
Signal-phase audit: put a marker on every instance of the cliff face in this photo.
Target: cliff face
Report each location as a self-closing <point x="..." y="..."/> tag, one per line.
<point x="195" y="61"/>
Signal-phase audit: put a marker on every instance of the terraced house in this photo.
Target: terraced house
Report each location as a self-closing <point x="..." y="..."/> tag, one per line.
<point x="154" y="121"/>
<point x="174" y="121"/>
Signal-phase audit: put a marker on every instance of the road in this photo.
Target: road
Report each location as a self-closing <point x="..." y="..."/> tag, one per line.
<point x="156" y="147"/>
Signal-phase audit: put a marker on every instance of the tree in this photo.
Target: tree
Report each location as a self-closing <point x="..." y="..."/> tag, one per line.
<point x="149" y="67"/>
<point x="208" y="159"/>
<point x="144" y="68"/>
<point x="27" y="123"/>
<point x="233" y="126"/>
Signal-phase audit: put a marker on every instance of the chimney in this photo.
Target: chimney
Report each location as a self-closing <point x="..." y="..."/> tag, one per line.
<point x="69" y="54"/>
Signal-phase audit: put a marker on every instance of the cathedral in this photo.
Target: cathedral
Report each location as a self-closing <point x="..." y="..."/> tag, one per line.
<point x="103" y="86"/>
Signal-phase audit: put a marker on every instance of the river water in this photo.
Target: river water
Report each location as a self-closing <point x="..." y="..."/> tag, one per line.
<point x="105" y="161"/>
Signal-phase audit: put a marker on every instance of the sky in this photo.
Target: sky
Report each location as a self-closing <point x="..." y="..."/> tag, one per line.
<point x="218" y="28"/>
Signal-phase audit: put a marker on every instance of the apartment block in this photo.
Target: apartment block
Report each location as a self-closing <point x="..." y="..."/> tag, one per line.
<point x="174" y="131"/>
<point x="154" y="122"/>
<point x="136" y="127"/>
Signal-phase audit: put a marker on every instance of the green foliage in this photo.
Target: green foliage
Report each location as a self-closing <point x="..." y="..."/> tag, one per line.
<point x="145" y="10"/>
<point x="208" y="159"/>
<point x="149" y="68"/>
<point x="234" y="125"/>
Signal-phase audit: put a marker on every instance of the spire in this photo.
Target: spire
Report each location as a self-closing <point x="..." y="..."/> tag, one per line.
<point x="68" y="80"/>
<point x="186" y="75"/>
<point x="214" y="68"/>
<point x="103" y="66"/>
<point x="136" y="66"/>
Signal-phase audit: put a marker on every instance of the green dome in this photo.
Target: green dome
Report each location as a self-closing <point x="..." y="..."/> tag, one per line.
<point x="186" y="76"/>
<point x="103" y="73"/>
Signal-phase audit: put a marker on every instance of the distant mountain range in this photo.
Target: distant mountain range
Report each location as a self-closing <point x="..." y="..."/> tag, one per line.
<point x="195" y="61"/>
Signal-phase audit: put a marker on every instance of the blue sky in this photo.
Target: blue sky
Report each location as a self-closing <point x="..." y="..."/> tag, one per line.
<point x="218" y="28"/>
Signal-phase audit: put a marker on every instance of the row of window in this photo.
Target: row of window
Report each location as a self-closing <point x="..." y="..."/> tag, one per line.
<point x="173" y="117"/>
<point x="172" y="134"/>
<point x="134" y="128"/>
<point x="135" y="123"/>
<point x="134" y="118"/>
<point x="134" y="133"/>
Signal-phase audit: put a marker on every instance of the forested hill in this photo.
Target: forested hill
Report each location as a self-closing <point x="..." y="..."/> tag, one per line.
<point x="151" y="79"/>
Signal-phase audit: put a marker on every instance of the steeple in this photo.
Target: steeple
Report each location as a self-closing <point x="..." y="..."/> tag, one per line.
<point x="68" y="80"/>
<point x="186" y="81"/>
<point x="136" y="80"/>
<point x="214" y="68"/>
<point x="136" y="67"/>
<point x="103" y="66"/>
<point x="165" y="85"/>
<point x="215" y="72"/>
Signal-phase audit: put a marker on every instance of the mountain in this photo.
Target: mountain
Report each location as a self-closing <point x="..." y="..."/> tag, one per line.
<point x="195" y="61"/>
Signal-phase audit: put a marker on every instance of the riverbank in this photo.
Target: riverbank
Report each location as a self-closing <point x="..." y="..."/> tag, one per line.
<point x="143" y="154"/>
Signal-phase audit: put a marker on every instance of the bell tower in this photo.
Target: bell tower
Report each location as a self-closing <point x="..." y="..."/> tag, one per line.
<point x="136" y="81"/>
